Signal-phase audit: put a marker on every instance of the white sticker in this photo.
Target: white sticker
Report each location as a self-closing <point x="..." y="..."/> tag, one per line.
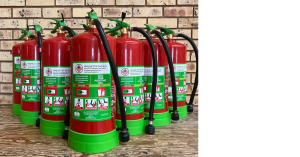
<point x="57" y="72"/>
<point x="17" y="60"/>
<point x="30" y="64"/>
<point x="160" y="71"/>
<point x="91" y="68"/>
<point x="131" y="71"/>
<point x="179" y="67"/>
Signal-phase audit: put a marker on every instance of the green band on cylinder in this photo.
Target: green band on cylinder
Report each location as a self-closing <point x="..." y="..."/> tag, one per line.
<point x="93" y="143"/>
<point x="16" y="108"/>
<point x="182" y="111"/>
<point x="135" y="127"/>
<point x="28" y="117"/>
<point x="52" y="128"/>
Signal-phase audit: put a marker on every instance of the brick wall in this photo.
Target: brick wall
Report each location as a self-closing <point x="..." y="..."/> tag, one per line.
<point x="179" y="15"/>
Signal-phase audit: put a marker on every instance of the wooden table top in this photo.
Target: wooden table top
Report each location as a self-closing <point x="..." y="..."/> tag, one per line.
<point x="176" y="139"/>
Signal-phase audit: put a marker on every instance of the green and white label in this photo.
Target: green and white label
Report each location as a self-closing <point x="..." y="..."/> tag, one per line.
<point x="160" y="87"/>
<point x="56" y="91"/>
<point x="17" y="73"/>
<point x="30" y="72"/>
<point x="132" y="83"/>
<point x="91" y="90"/>
<point x="180" y="81"/>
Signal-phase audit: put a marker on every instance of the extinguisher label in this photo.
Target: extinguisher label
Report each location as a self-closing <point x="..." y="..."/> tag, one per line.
<point x="180" y="81"/>
<point x="17" y="73"/>
<point x="30" y="72"/>
<point x="160" y="88"/>
<point x="132" y="83"/>
<point x="91" y="91"/>
<point x="56" y="83"/>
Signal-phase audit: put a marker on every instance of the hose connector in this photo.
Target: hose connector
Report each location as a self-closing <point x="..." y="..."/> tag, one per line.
<point x="65" y="133"/>
<point x="190" y="107"/>
<point x="175" y="115"/>
<point x="124" y="134"/>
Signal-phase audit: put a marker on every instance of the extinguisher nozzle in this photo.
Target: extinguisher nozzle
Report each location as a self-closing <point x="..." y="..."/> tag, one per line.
<point x="150" y="129"/>
<point x="38" y="122"/>
<point x="190" y="108"/>
<point x="65" y="134"/>
<point x="124" y="136"/>
<point x="175" y="116"/>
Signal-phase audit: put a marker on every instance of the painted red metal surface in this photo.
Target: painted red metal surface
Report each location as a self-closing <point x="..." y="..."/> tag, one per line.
<point x="161" y="61"/>
<point x="130" y="53"/>
<point x="88" y="47"/>
<point x="29" y="51"/>
<point x="55" y="53"/>
<point x="178" y="54"/>
<point x="16" y="51"/>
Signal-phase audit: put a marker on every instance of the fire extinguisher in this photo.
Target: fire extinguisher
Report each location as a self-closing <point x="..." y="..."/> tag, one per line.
<point x="172" y="34"/>
<point x="30" y="76"/>
<point x="94" y="83"/>
<point x="16" y="52"/>
<point x="130" y="64"/>
<point x="114" y="34"/>
<point x="161" y="113"/>
<point x="56" y="73"/>
<point x="178" y="55"/>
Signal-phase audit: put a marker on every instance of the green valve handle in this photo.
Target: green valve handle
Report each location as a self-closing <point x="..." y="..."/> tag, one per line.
<point x="149" y="27"/>
<point x="36" y="27"/>
<point x="120" y="25"/>
<point x="58" y="23"/>
<point x="91" y="15"/>
<point x="166" y="31"/>
<point x="113" y="33"/>
<point x="25" y="33"/>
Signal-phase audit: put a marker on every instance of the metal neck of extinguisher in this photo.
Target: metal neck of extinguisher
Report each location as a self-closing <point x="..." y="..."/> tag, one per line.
<point x="174" y="115"/>
<point x="190" y="103"/>
<point x="123" y="135"/>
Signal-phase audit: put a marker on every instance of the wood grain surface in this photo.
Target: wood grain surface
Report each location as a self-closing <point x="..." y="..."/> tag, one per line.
<point x="176" y="139"/>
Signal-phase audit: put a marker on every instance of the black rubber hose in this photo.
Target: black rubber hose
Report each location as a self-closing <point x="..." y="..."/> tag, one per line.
<point x="190" y="104"/>
<point x="150" y="128"/>
<point x="175" y="115"/>
<point x="39" y="40"/>
<point x="70" y="31"/>
<point x="67" y="119"/>
<point x="66" y="122"/>
<point x="123" y="135"/>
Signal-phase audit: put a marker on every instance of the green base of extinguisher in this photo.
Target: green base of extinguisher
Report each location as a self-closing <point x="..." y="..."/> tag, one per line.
<point x="52" y="128"/>
<point x="160" y="119"/>
<point x="28" y="117"/>
<point x="93" y="143"/>
<point x="135" y="127"/>
<point x="16" y="108"/>
<point x="182" y="111"/>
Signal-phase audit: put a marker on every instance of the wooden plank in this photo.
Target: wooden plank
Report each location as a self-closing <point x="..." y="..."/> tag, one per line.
<point x="176" y="139"/>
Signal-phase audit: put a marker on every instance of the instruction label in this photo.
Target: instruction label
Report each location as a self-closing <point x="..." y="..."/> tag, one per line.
<point x="56" y="89"/>
<point x="160" y="87"/>
<point x="17" y="74"/>
<point x="91" y="91"/>
<point x="132" y="84"/>
<point x="180" y="81"/>
<point x="30" y="80"/>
